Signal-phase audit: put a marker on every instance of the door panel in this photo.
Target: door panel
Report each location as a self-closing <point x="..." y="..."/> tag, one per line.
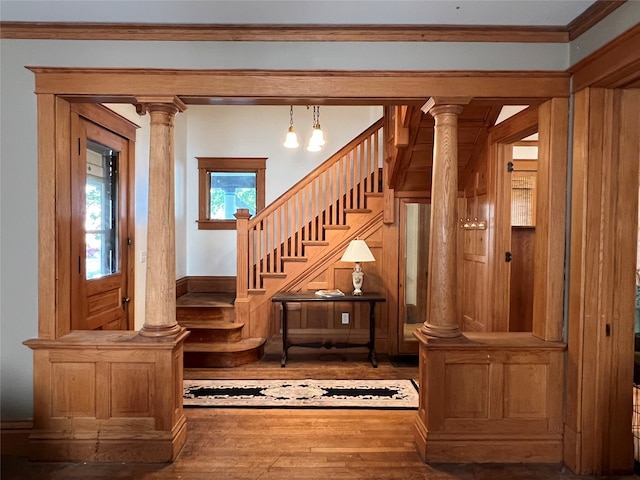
<point x="99" y="228"/>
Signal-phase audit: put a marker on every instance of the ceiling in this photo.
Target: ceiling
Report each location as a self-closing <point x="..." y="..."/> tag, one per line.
<point x="300" y="12"/>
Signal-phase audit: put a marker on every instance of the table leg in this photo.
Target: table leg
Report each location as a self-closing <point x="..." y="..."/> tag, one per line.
<point x="283" y="362"/>
<point x="372" y="334"/>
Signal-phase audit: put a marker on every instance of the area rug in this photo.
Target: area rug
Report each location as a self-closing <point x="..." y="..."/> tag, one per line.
<point x="374" y="394"/>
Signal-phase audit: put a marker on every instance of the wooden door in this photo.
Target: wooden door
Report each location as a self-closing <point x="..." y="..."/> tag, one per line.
<point x="99" y="228"/>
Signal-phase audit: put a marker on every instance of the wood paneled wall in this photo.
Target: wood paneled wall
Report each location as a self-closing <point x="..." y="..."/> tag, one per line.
<point x="107" y="397"/>
<point x="604" y="209"/>
<point x="475" y="257"/>
<point x="490" y="397"/>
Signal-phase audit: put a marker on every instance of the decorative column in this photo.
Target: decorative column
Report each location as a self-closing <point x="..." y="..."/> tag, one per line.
<point x="160" y="320"/>
<point x="442" y="310"/>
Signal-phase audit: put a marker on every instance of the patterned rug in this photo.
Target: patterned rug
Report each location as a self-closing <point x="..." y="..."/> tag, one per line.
<point x="375" y="394"/>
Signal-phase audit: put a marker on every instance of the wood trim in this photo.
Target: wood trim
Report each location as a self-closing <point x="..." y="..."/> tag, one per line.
<point x="182" y="286"/>
<point x="14" y="437"/>
<point x="615" y="65"/>
<point x="601" y="290"/>
<point x="592" y="15"/>
<point x="551" y="193"/>
<point x="517" y="127"/>
<point x="282" y="33"/>
<point x="206" y="165"/>
<point x="107" y="118"/>
<point x="336" y="87"/>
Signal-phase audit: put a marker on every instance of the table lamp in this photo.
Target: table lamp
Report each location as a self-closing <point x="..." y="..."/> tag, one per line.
<point x="357" y="252"/>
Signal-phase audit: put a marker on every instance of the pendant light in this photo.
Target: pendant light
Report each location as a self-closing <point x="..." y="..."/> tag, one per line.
<point x="291" y="140"/>
<point x="317" y="137"/>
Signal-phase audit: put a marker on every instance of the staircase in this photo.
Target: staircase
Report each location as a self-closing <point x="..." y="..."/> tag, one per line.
<point x="291" y="240"/>
<point x="215" y="339"/>
<point x="308" y="227"/>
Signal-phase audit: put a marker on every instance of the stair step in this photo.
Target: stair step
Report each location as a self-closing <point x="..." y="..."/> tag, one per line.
<point x="336" y="227"/>
<point x="207" y="324"/>
<point x="315" y="243"/>
<point x="204" y="313"/>
<point x="357" y="210"/>
<point x="214" y="355"/>
<point x="203" y="299"/>
<point x="273" y="275"/>
<point x="294" y="259"/>
<point x="214" y="332"/>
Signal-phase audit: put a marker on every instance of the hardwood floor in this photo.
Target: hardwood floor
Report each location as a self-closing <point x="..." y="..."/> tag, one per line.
<point x="274" y="444"/>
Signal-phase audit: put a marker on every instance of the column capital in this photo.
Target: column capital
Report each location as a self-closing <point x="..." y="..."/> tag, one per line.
<point x="169" y="104"/>
<point x="456" y="104"/>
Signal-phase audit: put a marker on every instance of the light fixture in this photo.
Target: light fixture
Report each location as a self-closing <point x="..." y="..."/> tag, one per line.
<point x="357" y="252"/>
<point x="317" y="136"/>
<point x="291" y="140"/>
<point x="475" y="224"/>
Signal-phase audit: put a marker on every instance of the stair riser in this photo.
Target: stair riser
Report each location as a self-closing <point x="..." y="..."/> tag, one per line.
<point x="222" y="359"/>
<point x="214" y="336"/>
<point x="200" y="313"/>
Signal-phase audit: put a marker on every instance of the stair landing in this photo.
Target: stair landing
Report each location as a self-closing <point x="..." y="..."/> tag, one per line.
<point x="215" y="339"/>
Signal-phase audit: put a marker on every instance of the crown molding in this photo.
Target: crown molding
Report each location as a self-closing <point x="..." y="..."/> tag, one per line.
<point x="281" y="33"/>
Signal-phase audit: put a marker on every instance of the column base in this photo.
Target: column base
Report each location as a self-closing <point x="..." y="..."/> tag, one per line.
<point x="441" y="331"/>
<point x="160" y="330"/>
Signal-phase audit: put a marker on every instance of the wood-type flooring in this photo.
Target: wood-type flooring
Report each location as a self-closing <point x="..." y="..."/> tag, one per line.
<point x="278" y="444"/>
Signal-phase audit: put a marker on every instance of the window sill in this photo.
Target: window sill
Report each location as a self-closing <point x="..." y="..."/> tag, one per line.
<point x="216" y="224"/>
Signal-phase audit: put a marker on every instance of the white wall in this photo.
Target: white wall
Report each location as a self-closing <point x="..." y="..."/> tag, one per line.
<point x="18" y="139"/>
<point x="256" y="131"/>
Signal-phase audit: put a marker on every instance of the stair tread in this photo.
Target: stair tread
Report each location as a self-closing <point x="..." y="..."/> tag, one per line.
<point x="336" y="227"/>
<point x="357" y="210"/>
<point x="205" y="299"/>
<point x="207" y="324"/>
<point x="319" y="243"/>
<point x="242" y="345"/>
<point x="273" y="275"/>
<point x="294" y="259"/>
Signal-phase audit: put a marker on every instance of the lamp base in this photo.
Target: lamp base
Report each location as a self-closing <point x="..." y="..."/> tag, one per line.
<point x="357" y="277"/>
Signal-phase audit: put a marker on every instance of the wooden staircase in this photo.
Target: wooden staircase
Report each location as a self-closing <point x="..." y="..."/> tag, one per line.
<point x="293" y="238"/>
<point x="308" y="227"/>
<point x="215" y="339"/>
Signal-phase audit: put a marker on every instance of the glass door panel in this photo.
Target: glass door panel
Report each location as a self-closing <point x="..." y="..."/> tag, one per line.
<point x="101" y="212"/>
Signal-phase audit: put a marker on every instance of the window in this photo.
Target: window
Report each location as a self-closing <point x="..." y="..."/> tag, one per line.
<point x="227" y="184"/>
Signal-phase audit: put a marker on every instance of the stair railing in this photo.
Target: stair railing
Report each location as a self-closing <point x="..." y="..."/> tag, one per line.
<point x="299" y="215"/>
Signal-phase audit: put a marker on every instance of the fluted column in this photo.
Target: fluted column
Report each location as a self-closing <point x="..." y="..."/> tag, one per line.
<point x="160" y="319"/>
<point x="442" y="284"/>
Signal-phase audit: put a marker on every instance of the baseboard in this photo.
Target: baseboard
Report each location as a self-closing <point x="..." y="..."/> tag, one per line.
<point x="148" y="447"/>
<point x="14" y="437"/>
<point x="205" y="284"/>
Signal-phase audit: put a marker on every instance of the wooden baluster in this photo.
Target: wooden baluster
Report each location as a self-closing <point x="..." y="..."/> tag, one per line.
<point x="327" y="200"/>
<point x="348" y="183"/>
<point x="367" y="163"/>
<point x="299" y="225"/>
<point x="335" y="199"/>
<point x="252" y="249"/>
<point x="376" y="162"/>
<point x="309" y="210"/>
<point x="277" y="267"/>
<point x="363" y="174"/>
<point x="314" y="215"/>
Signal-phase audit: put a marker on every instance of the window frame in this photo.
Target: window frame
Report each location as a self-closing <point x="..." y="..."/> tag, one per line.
<point x="208" y="165"/>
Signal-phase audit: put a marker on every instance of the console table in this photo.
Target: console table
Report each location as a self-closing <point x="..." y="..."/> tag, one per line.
<point x="299" y="297"/>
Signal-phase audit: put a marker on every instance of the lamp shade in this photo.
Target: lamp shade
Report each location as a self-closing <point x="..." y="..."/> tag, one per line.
<point x="358" y="251"/>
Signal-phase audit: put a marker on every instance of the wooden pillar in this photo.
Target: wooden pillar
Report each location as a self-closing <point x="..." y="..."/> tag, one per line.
<point x="442" y="307"/>
<point x="160" y="320"/>
<point x="241" y="303"/>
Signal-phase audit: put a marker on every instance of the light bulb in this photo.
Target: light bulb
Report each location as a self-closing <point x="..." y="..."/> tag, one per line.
<point x="291" y="141"/>
<point x="317" y="136"/>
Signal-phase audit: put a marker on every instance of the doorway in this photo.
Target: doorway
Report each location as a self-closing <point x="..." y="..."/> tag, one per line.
<point x="100" y="224"/>
<point x="415" y="223"/>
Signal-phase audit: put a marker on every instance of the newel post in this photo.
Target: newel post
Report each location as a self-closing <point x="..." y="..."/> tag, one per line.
<point x="242" y="275"/>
